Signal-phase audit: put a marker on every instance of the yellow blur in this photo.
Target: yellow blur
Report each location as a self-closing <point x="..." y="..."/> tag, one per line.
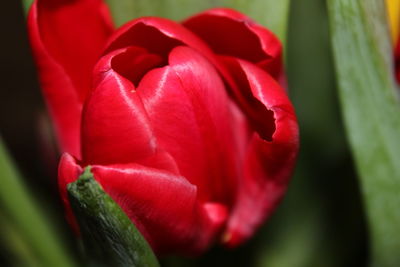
<point x="393" y="10"/>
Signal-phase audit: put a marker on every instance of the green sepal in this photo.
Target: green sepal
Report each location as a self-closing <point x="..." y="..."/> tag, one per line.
<point x="109" y="237"/>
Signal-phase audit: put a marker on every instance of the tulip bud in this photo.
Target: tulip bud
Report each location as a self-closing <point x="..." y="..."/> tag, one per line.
<point x="187" y="126"/>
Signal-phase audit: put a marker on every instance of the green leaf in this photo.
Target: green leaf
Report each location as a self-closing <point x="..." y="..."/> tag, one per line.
<point x="26" y="224"/>
<point x="371" y="109"/>
<point x="270" y="13"/>
<point x="15" y="247"/>
<point x="109" y="236"/>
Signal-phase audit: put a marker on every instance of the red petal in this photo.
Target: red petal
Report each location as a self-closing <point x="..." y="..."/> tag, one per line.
<point x="260" y="118"/>
<point x="231" y="33"/>
<point x="163" y="206"/>
<point x="67" y="37"/>
<point x="150" y="32"/>
<point x="133" y="63"/>
<point x="73" y="33"/>
<point x="268" y="164"/>
<point x="189" y="110"/>
<point x="115" y="125"/>
<point x="68" y="172"/>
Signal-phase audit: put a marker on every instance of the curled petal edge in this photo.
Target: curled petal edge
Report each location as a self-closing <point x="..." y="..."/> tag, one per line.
<point x="268" y="164"/>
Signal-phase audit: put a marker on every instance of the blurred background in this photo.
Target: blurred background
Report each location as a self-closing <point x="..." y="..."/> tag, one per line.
<point x="320" y="222"/>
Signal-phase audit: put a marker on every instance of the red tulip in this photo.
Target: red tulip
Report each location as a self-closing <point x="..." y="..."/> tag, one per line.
<point x="185" y="125"/>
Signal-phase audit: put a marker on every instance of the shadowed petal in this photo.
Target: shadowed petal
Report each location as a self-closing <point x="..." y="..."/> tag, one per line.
<point x="67" y="37"/>
<point x="68" y="171"/>
<point x="268" y="163"/>
<point x="150" y="32"/>
<point x="231" y="33"/>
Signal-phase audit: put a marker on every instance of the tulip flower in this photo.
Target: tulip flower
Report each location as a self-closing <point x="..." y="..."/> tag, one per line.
<point x="185" y="125"/>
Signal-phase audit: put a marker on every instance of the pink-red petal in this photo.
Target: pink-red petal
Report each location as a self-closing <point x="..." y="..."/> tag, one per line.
<point x="150" y="32"/>
<point x="133" y="63"/>
<point x="68" y="171"/>
<point x="268" y="163"/>
<point x="67" y="37"/>
<point x="189" y="110"/>
<point x="115" y="126"/>
<point x="163" y="206"/>
<point x="73" y="33"/>
<point x="260" y="118"/>
<point x="231" y="33"/>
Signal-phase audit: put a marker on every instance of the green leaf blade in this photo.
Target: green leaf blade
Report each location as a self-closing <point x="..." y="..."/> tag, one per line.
<point x="371" y="108"/>
<point x="26" y="220"/>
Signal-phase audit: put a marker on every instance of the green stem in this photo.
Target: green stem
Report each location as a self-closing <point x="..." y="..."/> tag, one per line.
<point x="26" y="218"/>
<point x="371" y="109"/>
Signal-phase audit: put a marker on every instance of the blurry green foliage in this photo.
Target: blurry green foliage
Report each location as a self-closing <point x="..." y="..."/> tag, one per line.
<point x="24" y="224"/>
<point x="371" y="109"/>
